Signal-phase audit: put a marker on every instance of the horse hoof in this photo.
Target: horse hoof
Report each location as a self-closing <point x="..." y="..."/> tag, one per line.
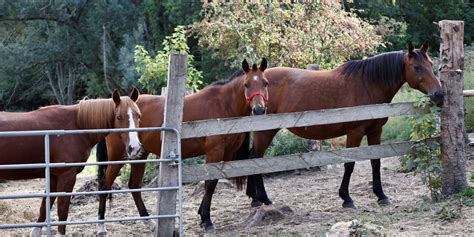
<point x="102" y="230"/>
<point x="384" y="202"/>
<point x="208" y="226"/>
<point x="349" y="205"/>
<point x="256" y="203"/>
<point x="36" y="232"/>
<point x="268" y="202"/>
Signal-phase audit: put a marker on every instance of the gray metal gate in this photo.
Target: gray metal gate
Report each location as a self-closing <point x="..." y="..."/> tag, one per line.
<point x="174" y="159"/>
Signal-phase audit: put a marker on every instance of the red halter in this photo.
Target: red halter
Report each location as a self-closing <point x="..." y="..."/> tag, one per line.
<point x="249" y="98"/>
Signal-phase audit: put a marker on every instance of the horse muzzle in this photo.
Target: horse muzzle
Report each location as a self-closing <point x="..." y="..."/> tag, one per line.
<point x="259" y="110"/>
<point x="437" y="97"/>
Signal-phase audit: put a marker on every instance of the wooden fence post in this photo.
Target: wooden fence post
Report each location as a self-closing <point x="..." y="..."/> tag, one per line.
<point x="452" y="113"/>
<point x="173" y="117"/>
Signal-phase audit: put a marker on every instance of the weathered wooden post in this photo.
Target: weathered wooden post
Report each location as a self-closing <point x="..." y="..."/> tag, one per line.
<point x="173" y="117"/>
<point x="452" y="113"/>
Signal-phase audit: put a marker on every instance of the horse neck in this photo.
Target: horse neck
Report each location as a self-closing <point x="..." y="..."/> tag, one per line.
<point x="226" y="100"/>
<point x="233" y="96"/>
<point x="391" y="90"/>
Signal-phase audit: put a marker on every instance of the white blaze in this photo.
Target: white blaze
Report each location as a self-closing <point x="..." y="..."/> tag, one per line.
<point x="133" y="136"/>
<point x="255" y="78"/>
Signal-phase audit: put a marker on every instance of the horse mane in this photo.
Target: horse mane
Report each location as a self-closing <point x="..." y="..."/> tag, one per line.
<point x="96" y="113"/>
<point x="234" y="75"/>
<point x="384" y="68"/>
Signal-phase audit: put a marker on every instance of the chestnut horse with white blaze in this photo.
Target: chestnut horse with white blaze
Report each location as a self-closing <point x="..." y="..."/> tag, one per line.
<point x="370" y="81"/>
<point x="243" y="94"/>
<point x="118" y="112"/>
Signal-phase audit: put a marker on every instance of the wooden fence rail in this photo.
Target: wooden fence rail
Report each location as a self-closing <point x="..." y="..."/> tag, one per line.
<point x="230" y="169"/>
<point x="298" y="119"/>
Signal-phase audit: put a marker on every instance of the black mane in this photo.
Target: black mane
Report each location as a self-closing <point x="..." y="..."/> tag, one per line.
<point x="234" y="75"/>
<point x="384" y="68"/>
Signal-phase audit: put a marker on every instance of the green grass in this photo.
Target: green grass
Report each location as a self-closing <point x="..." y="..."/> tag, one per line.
<point x="397" y="128"/>
<point x="90" y="169"/>
<point x="469" y="85"/>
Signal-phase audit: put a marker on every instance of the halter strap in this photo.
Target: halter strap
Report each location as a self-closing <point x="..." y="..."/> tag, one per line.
<point x="249" y="98"/>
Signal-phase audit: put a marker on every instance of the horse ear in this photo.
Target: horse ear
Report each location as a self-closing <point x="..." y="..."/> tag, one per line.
<point x="134" y="95"/>
<point x="116" y="97"/>
<point x="263" y="64"/>
<point x="245" y="66"/>
<point x="411" y="49"/>
<point x="424" y="46"/>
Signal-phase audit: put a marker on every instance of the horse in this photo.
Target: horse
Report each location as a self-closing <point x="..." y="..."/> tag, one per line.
<point x="118" y="112"/>
<point x="244" y="93"/>
<point x="360" y="82"/>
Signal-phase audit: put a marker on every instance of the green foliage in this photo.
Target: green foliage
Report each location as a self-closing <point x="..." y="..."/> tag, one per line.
<point x="418" y="17"/>
<point x="425" y="155"/>
<point x="286" y="143"/>
<point x="154" y="70"/>
<point x="288" y="34"/>
<point x="165" y="15"/>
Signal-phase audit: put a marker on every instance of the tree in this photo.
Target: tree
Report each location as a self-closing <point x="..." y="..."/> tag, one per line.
<point x="154" y="70"/>
<point x="58" y="47"/>
<point x="288" y="34"/>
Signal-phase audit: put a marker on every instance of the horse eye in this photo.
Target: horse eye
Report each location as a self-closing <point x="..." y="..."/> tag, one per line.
<point x="417" y="68"/>
<point x="265" y="83"/>
<point x="119" y="118"/>
<point x="246" y="85"/>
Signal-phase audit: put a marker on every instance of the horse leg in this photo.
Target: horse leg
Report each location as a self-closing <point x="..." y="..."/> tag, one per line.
<point x="36" y="232"/>
<point x="205" y="207"/>
<point x="136" y="180"/>
<point x="354" y="137"/>
<point x="255" y="185"/>
<point x="110" y="175"/>
<point x="65" y="184"/>
<point x="373" y="138"/>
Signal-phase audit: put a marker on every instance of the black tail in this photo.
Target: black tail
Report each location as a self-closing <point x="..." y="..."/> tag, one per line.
<point x="101" y="155"/>
<point x="242" y="154"/>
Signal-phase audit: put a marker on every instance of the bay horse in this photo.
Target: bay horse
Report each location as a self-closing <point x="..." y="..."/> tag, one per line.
<point x="243" y="94"/>
<point x="370" y="81"/>
<point x="118" y="112"/>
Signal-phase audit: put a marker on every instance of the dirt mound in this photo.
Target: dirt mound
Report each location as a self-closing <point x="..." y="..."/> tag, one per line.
<point x="268" y="215"/>
<point x="89" y="186"/>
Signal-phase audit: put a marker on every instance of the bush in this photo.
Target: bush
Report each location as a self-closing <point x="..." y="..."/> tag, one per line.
<point x="285" y="143"/>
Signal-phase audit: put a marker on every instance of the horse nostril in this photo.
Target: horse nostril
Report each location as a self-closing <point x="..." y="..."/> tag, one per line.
<point x="129" y="149"/>
<point x="439" y="94"/>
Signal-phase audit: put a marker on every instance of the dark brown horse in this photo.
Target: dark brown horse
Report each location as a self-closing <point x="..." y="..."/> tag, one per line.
<point x="244" y="93"/>
<point x="119" y="112"/>
<point x="370" y="81"/>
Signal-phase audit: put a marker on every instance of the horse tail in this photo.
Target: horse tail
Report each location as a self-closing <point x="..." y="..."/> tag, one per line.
<point x="101" y="155"/>
<point x="242" y="153"/>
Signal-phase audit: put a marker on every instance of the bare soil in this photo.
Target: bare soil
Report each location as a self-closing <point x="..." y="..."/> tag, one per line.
<point x="307" y="201"/>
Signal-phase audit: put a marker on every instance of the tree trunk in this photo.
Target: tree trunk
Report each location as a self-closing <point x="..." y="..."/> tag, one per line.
<point x="452" y="113"/>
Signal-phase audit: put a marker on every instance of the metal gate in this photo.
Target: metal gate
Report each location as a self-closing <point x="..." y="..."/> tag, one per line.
<point x="174" y="159"/>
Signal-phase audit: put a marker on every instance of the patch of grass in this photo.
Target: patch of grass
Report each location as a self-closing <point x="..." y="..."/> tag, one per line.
<point x="448" y="213"/>
<point x="469" y="85"/>
<point x="397" y="128"/>
<point x="466" y="197"/>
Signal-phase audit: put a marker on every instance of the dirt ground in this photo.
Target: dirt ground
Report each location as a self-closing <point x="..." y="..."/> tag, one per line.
<point x="310" y="198"/>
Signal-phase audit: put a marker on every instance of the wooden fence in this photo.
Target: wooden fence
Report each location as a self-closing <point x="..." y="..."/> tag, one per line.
<point x="299" y="119"/>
